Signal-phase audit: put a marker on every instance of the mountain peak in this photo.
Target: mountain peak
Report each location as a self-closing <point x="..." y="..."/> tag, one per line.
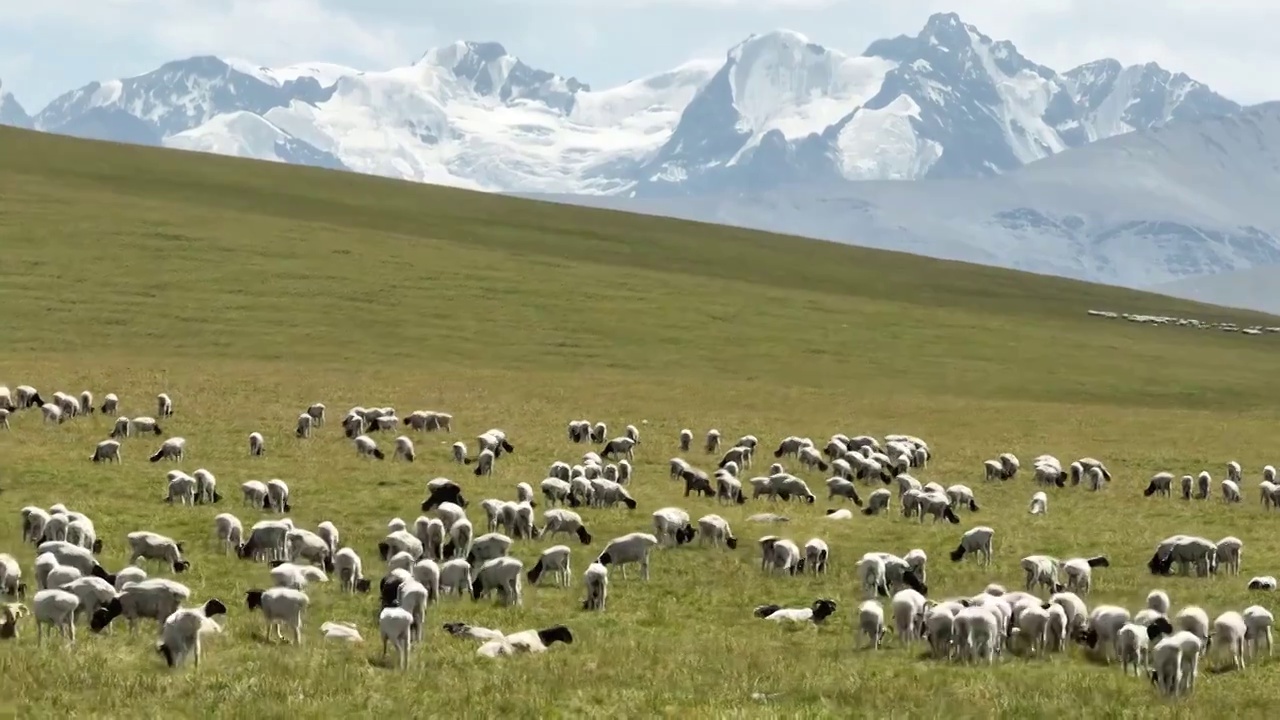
<point x="464" y="51"/>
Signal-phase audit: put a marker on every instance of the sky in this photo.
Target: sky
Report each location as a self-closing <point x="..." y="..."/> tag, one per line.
<point x="48" y="47"/>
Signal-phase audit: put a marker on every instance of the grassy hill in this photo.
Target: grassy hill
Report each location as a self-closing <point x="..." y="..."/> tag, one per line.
<point x="249" y="290"/>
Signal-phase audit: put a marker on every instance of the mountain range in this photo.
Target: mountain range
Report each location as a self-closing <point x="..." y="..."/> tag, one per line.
<point x="780" y="133"/>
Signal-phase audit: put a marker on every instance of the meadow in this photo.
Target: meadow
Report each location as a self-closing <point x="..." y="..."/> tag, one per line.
<point x="249" y="290"/>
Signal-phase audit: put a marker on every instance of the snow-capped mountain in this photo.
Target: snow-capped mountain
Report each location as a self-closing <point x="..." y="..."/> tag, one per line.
<point x="1192" y="198"/>
<point x="11" y="112"/>
<point x="948" y="102"/>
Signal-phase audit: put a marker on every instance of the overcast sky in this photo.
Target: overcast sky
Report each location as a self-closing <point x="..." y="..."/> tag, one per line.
<point x="50" y="46"/>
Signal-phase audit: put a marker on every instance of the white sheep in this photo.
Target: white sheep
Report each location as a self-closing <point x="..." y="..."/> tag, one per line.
<point x="277" y="498"/>
<point x="1229" y="633"/>
<point x="553" y="560"/>
<point x="1175" y="661"/>
<point x="52" y="413"/>
<point x="1080" y="572"/>
<point x="1259" y="621"/>
<point x="1263" y="582"/>
<point x="1032" y="626"/>
<point x="206" y="487"/>
<point x="630" y="548"/>
<point x="349" y="569"/>
<point x="1133" y="644"/>
<point x="816" y="553"/>
<point x="1103" y="627"/>
<point x="368" y="447"/>
<point x="290" y="575"/>
<point x="305" y="423"/>
<point x="596" y="580"/>
<point x="1194" y="620"/>
<point x="908" y="614"/>
<point x="395" y="625"/>
<point x="174" y="448"/>
<point x="672" y="527"/>
<point x="871" y="622"/>
<point x="503" y="575"/>
<point x="403" y="449"/>
<point x="229" y="531"/>
<point x="459" y="452"/>
<point x="129" y="574"/>
<point x="280" y="606"/>
<point x="257" y="444"/>
<point x="686" y="439"/>
<point x="559" y="520"/>
<point x="181" y="631"/>
<point x="164" y="405"/>
<point x="870" y="571"/>
<point x="1230" y="491"/>
<point x="155" y="599"/>
<point x="715" y="530"/>
<point x="55" y="608"/>
<point x="975" y="540"/>
<point x="153" y="546"/>
<point x="1228" y="553"/>
<point x="110" y="404"/>
<point x="977" y="631"/>
<point x="1039" y="504"/>
<point x="106" y="451"/>
<point x="345" y="631"/>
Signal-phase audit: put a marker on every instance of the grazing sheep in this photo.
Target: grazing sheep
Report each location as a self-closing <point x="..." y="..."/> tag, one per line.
<point x="277" y="499"/>
<point x="172" y="449"/>
<point x="368" y="447"/>
<point x="229" y="531"/>
<point x="182" y="488"/>
<point x="908" y="608"/>
<point x="816" y="553"/>
<point x="257" y="444"/>
<point x="672" y="527"/>
<point x="1259" y="621"/>
<point x="564" y="521"/>
<point x="686" y="439"/>
<point x="1161" y="482"/>
<point x="441" y="493"/>
<point x="1230" y="491"/>
<point x="403" y="449"/>
<point x="1134" y="647"/>
<point x="155" y="599"/>
<point x="554" y="560"/>
<point x="280" y="606"/>
<point x="1233" y="472"/>
<point x="977" y="540"/>
<point x="1229" y="550"/>
<point x="106" y="451"/>
<point x="181" y="631"/>
<point x="871" y="573"/>
<point x="503" y="575"/>
<point x="395" y="625"/>
<point x="52" y="414"/>
<point x="1103" y="626"/>
<point x="619" y="447"/>
<point x="164" y="405"/>
<point x="304" y="426"/>
<point x="349" y="569"/>
<point x="110" y="404"/>
<point x="1194" y="620"/>
<point x="598" y="432"/>
<point x="484" y="463"/>
<point x="153" y="546"/>
<point x="1080" y="572"/>
<point x="715" y="530"/>
<point x="712" y="443"/>
<point x="871" y="622"/>
<point x="596" y="580"/>
<point x="11" y="577"/>
<point x="1229" y="633"/>
<point x="633" y="547"/>
<point x="268" y="540"/>
<point x="1039" y="504"/>
<point x="55" y="608"/>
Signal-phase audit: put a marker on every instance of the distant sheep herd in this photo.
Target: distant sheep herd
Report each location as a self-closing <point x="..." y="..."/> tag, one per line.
<point x="1185" y="322"/>
<point x="439" y="555"/>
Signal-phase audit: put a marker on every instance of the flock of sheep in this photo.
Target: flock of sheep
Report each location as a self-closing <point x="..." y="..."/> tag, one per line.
<point x="442" y="554"/>
<point x="1184" y="322"/>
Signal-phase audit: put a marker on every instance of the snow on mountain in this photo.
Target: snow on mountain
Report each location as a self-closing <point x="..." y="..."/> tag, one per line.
<point x="1190" y="198"/>
<point x="246" y="135"/>
<point x="775" y="109"/>
<point x="11" y="112"/>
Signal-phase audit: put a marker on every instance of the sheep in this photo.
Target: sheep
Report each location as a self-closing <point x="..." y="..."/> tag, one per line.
<point x="841" y="487"/>
<point x="110" y="404"/>
<point x="403" y="449"/>
<point x="181" y="631"/>
<point x="1263" y="582"/>
<point x="306" y="545"/>
<point x="729" y="489"/>
<point x="871" y="622"/>
<point x="1229" y="633"/>
<point x="908" y="614"/>
<point x="229" y="531"/>
<point x="1233" y="471"/>
<point x="1228" y="552"/>
<point x="1039" y="504"/>
<point x="1161" y="482"/>
<point x="400" y="541"/>
<point x="345" y="631"/>
<point x="1230" y="491"/>
<point x="368" y="447"/>
<point x="596" y="581"/>
<point x="1133" y="646"/>
<point x="55" y="608"/>
<point x="1259" y="622"/>
<point x="564" y="521"/>
<point x="630" y="548"/>
<point x="619" y="447"/>
<point x="455" y="577"/>
<point x="939" y="623"/>
<point x="164" y="405"/>
<point x="353" y="424"/>
<point x="1202" y="485"/>
<point x="817" y="613"/>
<point x="501" y="574"/>
<point x="1081" y="467"/>
<point x="495" y="440"/>
<point x="962" y="496"/>
<point x="255" y="493"/>
<point x="938" y="506"/>
<point x="487" y="547"/>
<point x="11" y="577"/>
<point x="106" y="451"/>
<point x="870" y="570"/>
<point x="484" y="463"/>
<point x="533" y="641"/>
<point x="428" y="420"/>
<point x="1046" y="474"/>
<point x="349" y="569"/>
<point x="790" y="446"/>
<point x="977" y="631"/>
<point x="1056" y="633"/>
<point x="815" y="555"/>
<point x="280" y="606"/>
<point x="977" y="540"/>
<point x="26" y="397"/>
<point x="840" y="514"/>
<point x="268" y="540"/>
<point x="412" y="596"/>
<point x="257" y="444"/>
<point x="1096" y="477"/>
<point x="441" y="493"/>
<point x="715" y="530"/>
<point x="395" y="626"/>
<point x="789" y="486"/>
<point x="1032" y="626"/>
<point x="305" y="423"/>
<point x="1194" y="620"/>
<point x="608" y="494"/>
<point x="1080" y="572"/>
<point x="672" y="527"/>
<point x="153" y="546"/>
<point x="810" y="458"/>
<point x="155" y="599"/>
<point x="34" y="522"/>
<point x="1103" y="626"/>
<point x="1175" y="662"/>
<point x="696" y="480"/>
<point x="554" y="560"/>
<point x="182" y="488"/>
<point x="172" y="449"/>
<point x="712" y="443"/>
<point x="917" y="562"/>
<point x="686" y="439"/>
<point x="1042" y="570"/>
<point x="1184" y="550"/>
<point x="277" y="499"/>
<point x="52" y="414"/>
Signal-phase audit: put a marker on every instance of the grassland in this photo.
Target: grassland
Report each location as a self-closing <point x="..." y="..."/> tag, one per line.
<point x="249" y="290"/>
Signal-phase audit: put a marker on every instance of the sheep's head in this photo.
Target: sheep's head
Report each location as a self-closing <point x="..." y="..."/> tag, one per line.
<point x="556" y="633"/>
<point x="1159" y="628"/>
<point x="97" y="546"/>
<point x="363" y="585"/>
<point x="181" y="566"/>
<point x="214" y="607"/>
<point x="731" y="542"/>
<point x="253" y="598"/>
<point x="583" y="536"/>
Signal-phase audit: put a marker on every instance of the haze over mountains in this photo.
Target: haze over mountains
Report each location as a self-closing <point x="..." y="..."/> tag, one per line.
<point x="1013" y="163"/>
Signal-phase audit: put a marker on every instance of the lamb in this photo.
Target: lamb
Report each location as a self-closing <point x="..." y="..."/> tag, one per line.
<point x="277" y="498"/>
<point x="871" y="622"/>
<point x="608" y="494"/>
<point x="106" y="451"/>
<point x="345" y="631"/>
<point x="501" y="574"/>
<point x="1161" y="482"/>
<point x="791" y="446"/>
<point x="1039" y="504"/>
<point x="34" y="522"/>
<point x="280" y="606"/>
<point x="153" y="546"/>
<point x="306" y="545"/>
<point x="229" y="531"/>
<point x="55" y="608"/>
<point x="1184" y="550"/>
<point x="715" y="530"/>
<point x="368" y="447"/>
<point x="810" y="458"/>
<point x="1133" y="644"/>
<point x="1229" y="632"/>
<point x="938" y="506"/>
<point x="816" y="553"/>
<point x="164" y="405"/>
<point x="596" y="580"/>
<point x="129" y="574"/>
<point x="840" y="514"/>
<point x="977" y="540"/>
<point x="255" y="493"/>
<point x="172" y="449"/>
<point x="564" y="521"/>
<point x="404" y="449"/>
<point x="182" y="488"/>
<point x="181" y="631"/>
<point x="789" y="486"/>
<point x="26" y="397"/>
<point x="780" y="554"/>
<point x="156" y="599"/>
<point x="633" y="433"/>
<point x="349" y="569"/>
<point x="672" y="527"/>
<point x="257" y="444"/>
<point x="1259" y="622"/>
<point x="126" y="427"/>
<point x="630" y="548"/>
<point x="395" y="625"/>
<point x="554" y="560"/>
<point x="579" y="431"/>
<point x="455" y="577"/>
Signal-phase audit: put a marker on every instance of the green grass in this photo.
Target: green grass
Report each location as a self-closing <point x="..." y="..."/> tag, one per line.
<point x="248" y="290"/>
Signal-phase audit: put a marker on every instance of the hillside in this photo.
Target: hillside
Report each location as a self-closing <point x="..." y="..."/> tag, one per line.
<point x="1146" y="207"/>
<point x="248" y="290"/>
